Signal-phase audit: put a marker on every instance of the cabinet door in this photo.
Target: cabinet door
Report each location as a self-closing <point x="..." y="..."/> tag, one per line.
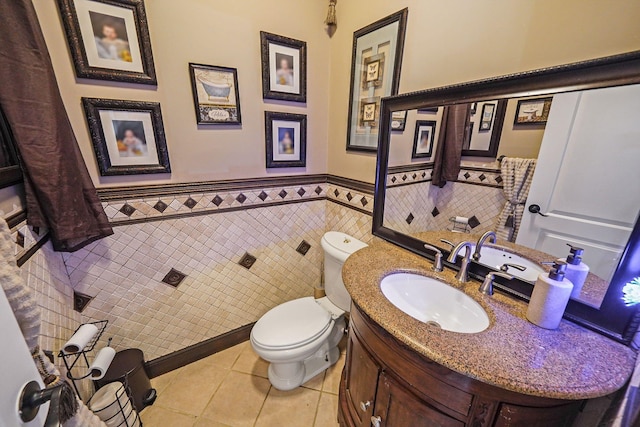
<point x="560" y="416"/>
<point x="396" y="407"/>
<point x="361" y="381"/>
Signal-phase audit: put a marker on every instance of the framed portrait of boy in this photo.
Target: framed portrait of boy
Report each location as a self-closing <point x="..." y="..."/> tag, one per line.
<point x="109" y="40"/>
<point x="128" y="136"/>
<point x="284" y="68"/>
<point x="286" y="140"/>
<point x="423" y="139"/>
<point x="215" y="94"/>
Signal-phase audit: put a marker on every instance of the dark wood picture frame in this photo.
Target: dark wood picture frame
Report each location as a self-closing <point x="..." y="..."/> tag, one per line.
<point x="221" y="112"/>
<point x="78" y="46"/>
<point x="300" y="138"/>
<point x="93" y="107"/>
<point x="356" y="85"/>
<point x="535" y="120"/>
<point x="499" y="113"/>
<point x="398" y="120"/>
<point x="417" y="136"/>
<point x="485" y="123"/>
<point x="268" y="74"/>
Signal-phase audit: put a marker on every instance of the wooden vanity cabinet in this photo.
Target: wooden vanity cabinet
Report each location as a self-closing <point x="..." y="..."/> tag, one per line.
<point x="386" y="384"/>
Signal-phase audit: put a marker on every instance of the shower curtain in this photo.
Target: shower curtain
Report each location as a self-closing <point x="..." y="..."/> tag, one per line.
<point x="516" y="177"/>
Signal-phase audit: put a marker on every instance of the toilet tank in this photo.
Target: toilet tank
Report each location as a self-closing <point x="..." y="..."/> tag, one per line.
<point x="337" y="248"/>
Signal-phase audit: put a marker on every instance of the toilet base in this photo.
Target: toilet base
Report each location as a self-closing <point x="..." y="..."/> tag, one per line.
<point x="287" y="376"/>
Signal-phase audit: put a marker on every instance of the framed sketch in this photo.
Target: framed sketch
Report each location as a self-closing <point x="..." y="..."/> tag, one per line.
<point x="375" y="73"/>
<point x="398" y="120"/>
<point x="286" y="140"/>
<point x="128" y="136"/>
<point x="532" y="111"/>
<point x="487" y="116"/>
<point x="215" y="94"/>
<point x="284" y="68"/>
<point x="109" y="39"/>
<point x="423" y="139"/>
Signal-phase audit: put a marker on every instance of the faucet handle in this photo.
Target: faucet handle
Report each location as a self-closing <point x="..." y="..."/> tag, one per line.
<point x="448" y="242"/>
<point x="437" y="262"/>
<point x="505" y="267"/>
<point x="487" y="285"/>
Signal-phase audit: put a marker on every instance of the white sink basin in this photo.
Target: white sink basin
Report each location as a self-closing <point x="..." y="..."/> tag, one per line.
<point x="431" y="301"/>
<point x="494" y="258"/>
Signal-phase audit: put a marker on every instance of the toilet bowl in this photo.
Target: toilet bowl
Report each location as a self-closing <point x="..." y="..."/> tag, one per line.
<point x="300" y="338"/>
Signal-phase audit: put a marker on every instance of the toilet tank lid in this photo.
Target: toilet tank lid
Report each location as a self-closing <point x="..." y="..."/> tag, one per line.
<point x="341" y="245"/>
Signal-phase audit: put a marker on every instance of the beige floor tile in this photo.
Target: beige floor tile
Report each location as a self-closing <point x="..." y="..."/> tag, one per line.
<point x="315" y="383"/>
<point x="225" y="358"/>
<point x="289" y="408"/>
<point x="327" y="411"/>
<point x="157" y="416"/>
<point x="191" y="389"/>
<point x="203" y="422"/>
<point x="238" y="400"/>
<point x="250" y="363"/>
<point x="332" y="376"/>
<point x="160" y="383"/>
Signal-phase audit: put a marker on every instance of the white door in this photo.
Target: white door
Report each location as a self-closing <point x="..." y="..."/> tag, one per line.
<point x="588" y="177"/>
<point x="17" y="369"/>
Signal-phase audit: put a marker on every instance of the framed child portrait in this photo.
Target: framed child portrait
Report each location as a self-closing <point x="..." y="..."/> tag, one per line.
<point x="284" y="68"/>
<point x="286" y="140"/>
<point x="423" y="139"/>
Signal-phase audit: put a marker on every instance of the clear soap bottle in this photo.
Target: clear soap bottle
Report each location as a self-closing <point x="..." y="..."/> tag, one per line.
<point x="577" y="270"/>
<point x="550" y="296"/>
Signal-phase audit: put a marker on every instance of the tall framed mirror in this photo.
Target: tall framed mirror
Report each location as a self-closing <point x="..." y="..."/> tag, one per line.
<point x="568" y="140"/>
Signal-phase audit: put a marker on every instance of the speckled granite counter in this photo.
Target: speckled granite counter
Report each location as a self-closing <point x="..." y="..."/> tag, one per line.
<point x="568" y="363"/>
<point x="592" y="293"/>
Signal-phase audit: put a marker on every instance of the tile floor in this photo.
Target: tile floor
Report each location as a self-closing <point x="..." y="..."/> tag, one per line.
<point x="231" y="389"/>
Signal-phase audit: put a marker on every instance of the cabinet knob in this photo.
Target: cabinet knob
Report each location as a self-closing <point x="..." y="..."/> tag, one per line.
<point x="375" y="421"/>
<point x="365" y="405"/>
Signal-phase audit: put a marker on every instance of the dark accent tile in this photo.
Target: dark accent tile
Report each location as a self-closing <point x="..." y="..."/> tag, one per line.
<point x="414" y="176"/>
<point x="282" y="194"/>
<point x="36" y="230"/>
<point x="349" y="196"/>
<point x="318" y="190"/>
<point x="424" y="174"/>
<point x="410" y="218"/>
<point x="127" y="209"/>
<point x="174" y="278"/>
<point x="217" y="200"/>
<point x="80" y="301"/>
<point x="190" y="203"/>
<point x="404" y="177"/>
<point x="499" y="179"/>
<point x="435" y="212"/>
<point x="301" y="192"/>
<point x="160" y="206"/>
<point x="303" y="247"/>
<point x="247" y="260"/>
<point x="241" y="198"/>
<point x="466" y="175"/>
<point x="364" y="201"/>
<point x="482" y="177"/>
<point x="20" y="239"/>
<point x="473" y="222"/>
<point x="263" y="196"/>
<point x="336" y="192"/>
<point x="394" y="179"/>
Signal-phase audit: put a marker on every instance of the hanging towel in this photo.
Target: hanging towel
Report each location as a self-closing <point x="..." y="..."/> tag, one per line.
<point x="517" y="175"/>
<point x="446" y="162"/>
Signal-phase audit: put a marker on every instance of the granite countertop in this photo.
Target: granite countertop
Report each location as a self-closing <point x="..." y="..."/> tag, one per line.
<point x="512" y="353"/>
<point x="592" y="292"/>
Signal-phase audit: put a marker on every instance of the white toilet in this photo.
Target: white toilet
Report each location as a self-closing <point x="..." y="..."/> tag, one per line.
<point x="300" y="338"/>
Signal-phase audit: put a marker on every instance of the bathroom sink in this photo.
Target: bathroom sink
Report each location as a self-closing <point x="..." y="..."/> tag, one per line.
<point x="434" y="302"/>
<point x="493" y="257"/>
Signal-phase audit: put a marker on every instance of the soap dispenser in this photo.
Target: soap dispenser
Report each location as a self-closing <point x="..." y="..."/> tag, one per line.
<point x="550" y="296"/>
<point x="577" y="270"/>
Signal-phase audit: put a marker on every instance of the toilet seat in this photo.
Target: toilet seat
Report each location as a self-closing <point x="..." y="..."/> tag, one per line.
<point x="292" y="324"/>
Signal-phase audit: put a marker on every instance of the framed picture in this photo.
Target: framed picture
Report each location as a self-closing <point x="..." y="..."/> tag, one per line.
<point x="423" y="138"/>
<point x="284" y="68"/>
<point x="468" y="132"/>
<point x="286" y="139"/>
<point x="486" y="117"/>
<point x="109" y="40"/>
<point x="433" y="110"/>
<point x="474" y="106"/>
<point x="398" y="120"/>
<point x="128" y="136"/>
<point x="484" y="143"/>
<point x="215" y="94"/>
<point x="375" y="73"/>
<point x="532" y="111"/>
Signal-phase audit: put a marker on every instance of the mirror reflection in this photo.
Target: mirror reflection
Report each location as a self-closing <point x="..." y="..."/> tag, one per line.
<point x="541" y="172"/>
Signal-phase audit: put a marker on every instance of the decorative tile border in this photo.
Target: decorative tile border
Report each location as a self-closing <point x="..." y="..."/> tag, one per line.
<point x="404" y="175"/>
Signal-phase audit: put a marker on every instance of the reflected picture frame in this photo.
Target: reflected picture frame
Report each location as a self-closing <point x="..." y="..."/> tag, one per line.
<point x="532" y="111"/>
<point x="375" y="73"/>
<point x="398" y="120"/>
<point x="128" y="136"/>
<point x="284" y="68"/>
<point x="486" y="117"/>
<point x="109" y="40"/>
<point x="423" y="139"/>
<point x="216" y="97"/>
<point x="285" y="140"/>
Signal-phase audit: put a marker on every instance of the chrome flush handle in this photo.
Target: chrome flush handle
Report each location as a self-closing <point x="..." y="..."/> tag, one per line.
<point x="376" y="421"/>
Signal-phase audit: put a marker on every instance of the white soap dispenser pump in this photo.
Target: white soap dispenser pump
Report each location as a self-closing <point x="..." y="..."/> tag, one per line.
<point x="577" y="270"/>
<point x="550" y="296"/>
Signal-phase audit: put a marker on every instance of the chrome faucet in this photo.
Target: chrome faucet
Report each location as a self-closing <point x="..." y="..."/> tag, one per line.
<point x="487" y="235"/>
<point x="505" y="267"/>
<point x="437" y="261"/>
<point x="463" y="273"/>
<point x="487" y="286"/>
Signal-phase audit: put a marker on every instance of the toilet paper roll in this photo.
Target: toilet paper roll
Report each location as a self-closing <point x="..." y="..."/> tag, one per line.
<point x="81" y="338"/>
<point x="462" y="219"/>
<point x="101" y="363"/>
